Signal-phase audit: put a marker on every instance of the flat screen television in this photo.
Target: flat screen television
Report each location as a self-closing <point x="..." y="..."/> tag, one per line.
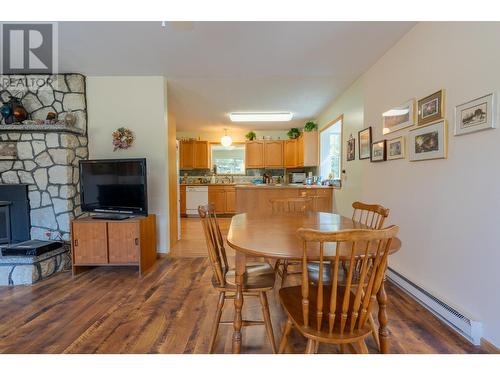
<point x="115" y="186"/>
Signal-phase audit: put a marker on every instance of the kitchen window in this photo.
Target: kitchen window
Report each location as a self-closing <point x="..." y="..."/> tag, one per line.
<point x="331" y="149"/>
<point x="228" y="160"/>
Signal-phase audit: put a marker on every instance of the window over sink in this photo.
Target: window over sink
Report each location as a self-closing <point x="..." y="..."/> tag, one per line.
<point x="228" y="160"/>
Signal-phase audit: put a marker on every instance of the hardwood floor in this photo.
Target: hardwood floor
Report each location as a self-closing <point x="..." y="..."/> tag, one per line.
<point x="192" y="242"/>
<point x="170" y="310"/>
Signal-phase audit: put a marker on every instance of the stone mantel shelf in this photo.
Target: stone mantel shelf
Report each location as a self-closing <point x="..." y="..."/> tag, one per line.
<point x="41" y="128"/>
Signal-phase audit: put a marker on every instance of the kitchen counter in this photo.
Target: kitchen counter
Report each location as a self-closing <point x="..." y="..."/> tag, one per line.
<point x="209" y="184"/>
<point x="257" y="198"/>
<point x="281" y="186"/>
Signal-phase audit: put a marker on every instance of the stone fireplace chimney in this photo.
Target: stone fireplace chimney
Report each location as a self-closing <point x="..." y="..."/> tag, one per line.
<point x="48" y="154"/>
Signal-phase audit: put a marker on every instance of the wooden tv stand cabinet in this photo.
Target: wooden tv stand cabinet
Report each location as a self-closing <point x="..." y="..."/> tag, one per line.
<point x="98" y="242"/>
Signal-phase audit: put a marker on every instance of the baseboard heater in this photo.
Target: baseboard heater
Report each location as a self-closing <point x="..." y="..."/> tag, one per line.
<point x="466" y="326"/>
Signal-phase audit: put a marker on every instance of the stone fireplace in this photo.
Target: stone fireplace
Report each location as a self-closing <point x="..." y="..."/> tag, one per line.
<point x="48" y="154"/>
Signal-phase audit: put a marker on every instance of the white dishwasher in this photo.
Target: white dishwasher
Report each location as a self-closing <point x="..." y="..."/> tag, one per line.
<point x="195" y="196"/>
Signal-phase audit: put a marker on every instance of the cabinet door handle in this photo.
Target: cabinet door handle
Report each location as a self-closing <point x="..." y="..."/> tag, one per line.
<point x="76" y="242"/>
<point x="136" y="242"/>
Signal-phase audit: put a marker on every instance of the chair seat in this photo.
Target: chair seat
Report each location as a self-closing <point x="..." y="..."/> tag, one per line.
<point x="291" y="300"/>
<point x="313" y="270"/>
<point x="260" y="276"/>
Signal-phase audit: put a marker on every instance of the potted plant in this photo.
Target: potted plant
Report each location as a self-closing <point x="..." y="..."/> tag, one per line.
<point x="310" y="126"/>
<point x="251" y="136"/>
<point x="293" y="133"/>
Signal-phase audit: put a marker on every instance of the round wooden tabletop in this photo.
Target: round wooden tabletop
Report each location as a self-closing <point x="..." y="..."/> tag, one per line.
<point x="275" y="236"/>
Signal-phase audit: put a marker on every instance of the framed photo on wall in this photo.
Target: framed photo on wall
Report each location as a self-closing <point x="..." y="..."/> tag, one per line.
<point x="365" y="143"/>
<point x="398" y="118"/>
<point x="428" y="142"/>
<point x="396" y="148"/>
<point x="475" y="115"/>
<point x="431" y="108"/>
<point x="351" y="149"/>
<point x="378" y="151"/>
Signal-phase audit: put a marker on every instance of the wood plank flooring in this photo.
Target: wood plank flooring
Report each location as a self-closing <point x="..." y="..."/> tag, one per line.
<point x="170" y="310"/>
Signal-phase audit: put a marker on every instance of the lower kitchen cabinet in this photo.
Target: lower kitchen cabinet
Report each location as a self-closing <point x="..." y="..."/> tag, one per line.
<point x="223" y="197"/>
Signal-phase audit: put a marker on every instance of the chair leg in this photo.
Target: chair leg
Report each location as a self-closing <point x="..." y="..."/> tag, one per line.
<point x="374" y="328"/>
<point x="215" y="328"/>
<point x="316" y="347"/>
<point x="310" y="346"/>
<point x="363" y="349"/>
<point x="267" y="320"/>
<point x="285" y="272"/>
<point x="284" y="337"/>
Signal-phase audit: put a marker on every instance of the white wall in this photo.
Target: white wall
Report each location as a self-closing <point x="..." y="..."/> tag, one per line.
<point x="447" y="209"/>
<point x="350" y="104"/>
<point x="138" y="103"/>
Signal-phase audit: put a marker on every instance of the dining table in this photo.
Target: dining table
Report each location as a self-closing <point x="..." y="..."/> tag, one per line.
<point x="275" y="237"/>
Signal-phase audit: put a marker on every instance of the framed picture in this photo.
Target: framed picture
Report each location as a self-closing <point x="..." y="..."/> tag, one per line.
<point x="396" y="148"/>
<point x="8" y="150"/>
<point x="478" y="114"/>
<point x="431" y="108"/>
<point x="399" y="117"/>
<point x="378" y="151"/>
<point x="351" y="149"/>
<point x="365" y="142"/>
<point x="428" y="142"/>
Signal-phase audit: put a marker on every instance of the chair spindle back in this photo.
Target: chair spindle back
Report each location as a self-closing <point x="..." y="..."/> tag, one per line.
<point x="291" y="205"/>
<point x="215" y="242"/>
<point x="351" y="299"/>
<point x="372" y="215"/>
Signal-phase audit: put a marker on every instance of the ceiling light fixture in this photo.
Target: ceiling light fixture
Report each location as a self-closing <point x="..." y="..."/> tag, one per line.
<point x="260" y="116"/>
<point x="226" y="140"/>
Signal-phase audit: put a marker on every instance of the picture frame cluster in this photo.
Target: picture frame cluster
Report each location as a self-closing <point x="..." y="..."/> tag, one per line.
<point x="428" y="136"/>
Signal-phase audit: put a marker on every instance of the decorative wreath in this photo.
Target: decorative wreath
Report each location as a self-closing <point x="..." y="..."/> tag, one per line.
<point x="122" y="138"/>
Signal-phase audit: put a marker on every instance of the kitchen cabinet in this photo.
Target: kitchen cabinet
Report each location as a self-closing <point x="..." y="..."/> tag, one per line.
<point x="182" y="200"/>
<point x="309" y="149"/>
<point x="217" y="197"/>
<point x="231" y="200"/>
<point x="223" y="197"/>
<point x="254" y="154"/>
<point x="273" y="154"/>
<point x="194" y="155"/>
<point x="201" y="155"/>
<point x="290" y="153"/>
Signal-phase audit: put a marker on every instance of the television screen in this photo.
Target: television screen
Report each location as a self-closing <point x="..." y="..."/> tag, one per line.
<point x="114" y="186"/>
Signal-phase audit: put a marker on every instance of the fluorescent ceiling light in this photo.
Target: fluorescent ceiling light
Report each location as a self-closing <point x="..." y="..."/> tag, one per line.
<point x="260" y="116"/>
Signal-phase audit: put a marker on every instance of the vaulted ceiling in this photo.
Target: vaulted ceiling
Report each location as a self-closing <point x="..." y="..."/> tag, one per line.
<point x="214" y="68"/>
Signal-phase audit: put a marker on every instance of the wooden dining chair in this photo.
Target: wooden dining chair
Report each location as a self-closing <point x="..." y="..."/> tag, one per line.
<point x="260" y="277"/>
<point x="371" y="215"/>
<point x="337" y="313"/>
<point x="295" y="205"/>
<point x="284" y="206"/>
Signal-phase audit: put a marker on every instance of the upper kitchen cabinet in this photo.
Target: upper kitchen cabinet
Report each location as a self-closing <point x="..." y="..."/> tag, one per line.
<point x="291" y="160"/>
<point x="273" y="154"/>
<point x="308" y="153"/>
<point x="201" y="155"/>
<point x="254" y="154"/>
<point x="194" y="155"/>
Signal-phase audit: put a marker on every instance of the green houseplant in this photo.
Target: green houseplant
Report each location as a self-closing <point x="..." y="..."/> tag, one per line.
<point x="293" y="133"/>
<point x="310" y="126"/>
<point x="251" y="136"/>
